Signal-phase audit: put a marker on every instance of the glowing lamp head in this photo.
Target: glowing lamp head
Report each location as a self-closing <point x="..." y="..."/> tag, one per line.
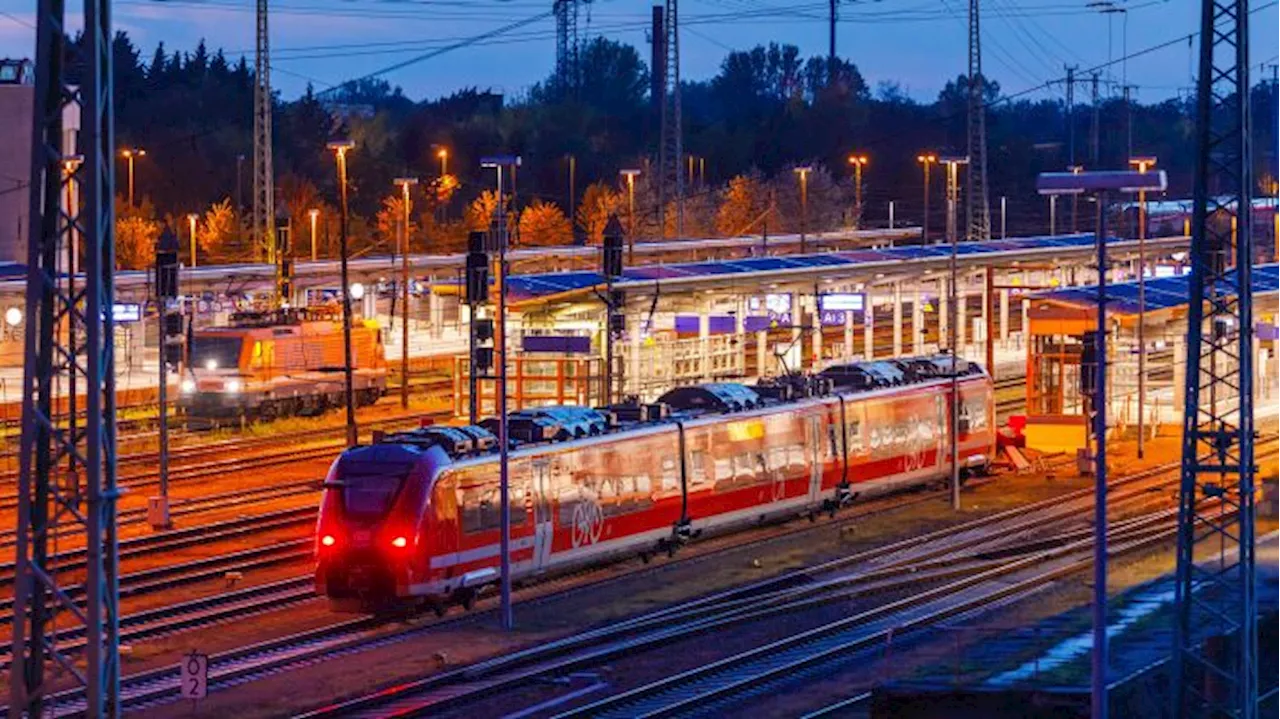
<point x="233" y="386"/>
<point x="211" y="364"/>
<point x="400" y="542"/>
<point x="13" y="316"/>
<point x="328" y="540"/>
<point x="357" y="290"/>
<point x="188" y="386"/>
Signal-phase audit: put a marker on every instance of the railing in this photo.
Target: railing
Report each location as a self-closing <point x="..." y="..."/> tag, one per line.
<point x="532" y="382"/>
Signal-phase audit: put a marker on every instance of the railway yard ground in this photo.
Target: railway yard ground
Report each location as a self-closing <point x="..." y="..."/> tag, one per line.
<point x="238" y="588"/>
<point x="233" y="580"/>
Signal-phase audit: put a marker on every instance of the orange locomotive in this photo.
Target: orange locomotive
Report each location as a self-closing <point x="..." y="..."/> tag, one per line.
<point x="280" y="363"/>
<point x="414" y="517"/>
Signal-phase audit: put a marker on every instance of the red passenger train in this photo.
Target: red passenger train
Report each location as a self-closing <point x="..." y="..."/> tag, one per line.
<point x="414" y="517"/>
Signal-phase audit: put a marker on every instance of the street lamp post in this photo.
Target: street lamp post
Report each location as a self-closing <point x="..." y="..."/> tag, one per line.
<point x="130" y="154"/>
<point x="803" y="174"/>
<point x="953" y="322"/>
<point x="340" y="149"/>
<point x="1076" y="183"/>
<point x="858" y="161"/>
<point x="1142" y="164"/>
<point x="500" y="344"/>
<point x="191" y="220"/>
<point x="631" y="214"/>
<point x="405" y="184"/>
<point x="313" y="214"/>
<point x="573" y="171"/>
<point x="926" y="160"/>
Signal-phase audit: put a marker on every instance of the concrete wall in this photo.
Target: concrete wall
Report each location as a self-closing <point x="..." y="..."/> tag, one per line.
<point x="16" y="102"/>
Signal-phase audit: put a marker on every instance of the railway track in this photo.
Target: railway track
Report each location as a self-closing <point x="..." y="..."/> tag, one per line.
<point x="906" y="564"/>
<point x="205" y="503"/>
<point x="152" y="688"/>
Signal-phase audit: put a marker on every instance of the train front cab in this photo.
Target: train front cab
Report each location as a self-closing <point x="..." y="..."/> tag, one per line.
<point x="370" y="547"/>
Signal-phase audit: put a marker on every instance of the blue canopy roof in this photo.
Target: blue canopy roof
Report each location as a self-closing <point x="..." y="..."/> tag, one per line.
<point x="1161" y="292"/>
<point x="527" y="287"/>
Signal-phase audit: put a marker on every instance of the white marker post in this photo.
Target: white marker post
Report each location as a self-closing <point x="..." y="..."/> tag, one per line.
<point x="194" y="672"/>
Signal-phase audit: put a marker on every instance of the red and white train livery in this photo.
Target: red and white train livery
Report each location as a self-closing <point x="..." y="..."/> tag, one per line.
<point x="414" y="517"/>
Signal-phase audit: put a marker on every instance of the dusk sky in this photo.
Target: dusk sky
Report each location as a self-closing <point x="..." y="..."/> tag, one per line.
<point x="917" y="43"/>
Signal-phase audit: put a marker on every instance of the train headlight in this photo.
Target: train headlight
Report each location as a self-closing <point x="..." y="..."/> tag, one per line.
<point x="400" y="542"/>
<point x="233" y="386"/>
<point x="328" y="540"/>
<point x="188" y="386"/>
<point x="211" y="364"/>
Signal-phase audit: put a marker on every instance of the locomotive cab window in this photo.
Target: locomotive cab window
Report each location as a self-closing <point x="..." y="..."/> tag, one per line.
<point x="216" y="352"/>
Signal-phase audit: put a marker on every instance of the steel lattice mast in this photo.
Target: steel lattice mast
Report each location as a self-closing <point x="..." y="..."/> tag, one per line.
<point x="264" y="196"/>
<point x="977" y="211"/>
<point x="1215" y="657"/>
<point x="567" y="47"/>
<point x="67" y="471"/>
<point x="671" y="144"/>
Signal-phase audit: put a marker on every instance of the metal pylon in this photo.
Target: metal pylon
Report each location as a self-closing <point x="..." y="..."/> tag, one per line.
<point x="671" y="146"/>
<point x="1215" y="657"/>
<point x="977" y="211"/>
<point x="264" y="196"/>
<point x="567" y="47"/>
<point x="67" y="469"/>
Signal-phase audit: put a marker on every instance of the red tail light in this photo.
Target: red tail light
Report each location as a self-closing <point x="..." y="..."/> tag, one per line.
<point x="328" y="540"/>
<point x="400" y="542"/>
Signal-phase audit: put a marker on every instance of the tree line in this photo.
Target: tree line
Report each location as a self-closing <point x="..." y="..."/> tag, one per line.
<point x="766" y="112"/>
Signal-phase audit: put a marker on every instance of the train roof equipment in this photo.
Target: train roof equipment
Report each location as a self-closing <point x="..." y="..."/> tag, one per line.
<point x="534" y="425"/>
<point x="721" y="397"/>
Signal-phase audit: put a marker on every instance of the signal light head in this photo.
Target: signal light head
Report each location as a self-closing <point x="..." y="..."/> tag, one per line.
<point x="400" y="542"/>
<point x="328" y="540"/>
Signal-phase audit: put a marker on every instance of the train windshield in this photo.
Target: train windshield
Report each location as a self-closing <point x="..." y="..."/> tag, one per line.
<point x="369" y="489"/>
<point x="216" y="352"/>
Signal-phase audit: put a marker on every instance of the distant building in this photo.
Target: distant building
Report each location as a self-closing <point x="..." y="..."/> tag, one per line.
<point x="17" y="103"/>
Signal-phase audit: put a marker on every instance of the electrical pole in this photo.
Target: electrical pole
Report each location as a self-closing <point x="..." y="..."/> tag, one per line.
<point x="1071" y="127"/>
<point x="1094" y="128"/>
<point x="953" y="321"/>
<point x="264" y="196"/>
<point x="1217" y="598"/>
<point x="671" y="147"/>
<point x="405" y="183"/>
<point x="66" y="326"/>
<point x="340" y="149"/>
<point x="977" y="209"/>
<point x="831" y="50"/>
<point x="500" y="345"/>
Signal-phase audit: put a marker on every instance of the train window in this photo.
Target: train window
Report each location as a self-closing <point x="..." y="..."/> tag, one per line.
<point x="724" y="468"/>
<point x="854" y="439"/>
<point x="642" y="484"/>
<point x="372" y="490"/>
<point x="697" y="467"/>
<point x="670" y="478"/>
<point x="833" y="445"/>
<point x="216" y="352"/>
<point x="777" y="459"/>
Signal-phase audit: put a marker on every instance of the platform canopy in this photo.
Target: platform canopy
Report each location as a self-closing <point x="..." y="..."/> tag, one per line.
<point x="547" y="285"/>
<point x="1162" y="293"/>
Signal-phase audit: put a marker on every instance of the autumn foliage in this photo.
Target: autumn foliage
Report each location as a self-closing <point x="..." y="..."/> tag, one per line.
<point x="544" y="223"/>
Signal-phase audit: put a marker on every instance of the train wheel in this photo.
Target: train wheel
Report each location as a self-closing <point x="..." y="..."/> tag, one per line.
<point x="468" y="601"/>
<point x="646" y="557"/>
<point x="439" y="608"/>
<point x="268" y="411"/>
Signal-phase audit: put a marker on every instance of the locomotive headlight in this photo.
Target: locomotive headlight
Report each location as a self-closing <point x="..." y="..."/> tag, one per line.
<point x="400" y="542"/>
<point x="233" y="386"/>
<point x="211" y="364"/>
<point x="188" y="386"/>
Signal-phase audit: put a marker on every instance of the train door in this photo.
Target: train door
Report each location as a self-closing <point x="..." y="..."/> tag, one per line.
<point x="543" y="522"/>
<point x="816" y="438"/>
<point x="942" y="457"/>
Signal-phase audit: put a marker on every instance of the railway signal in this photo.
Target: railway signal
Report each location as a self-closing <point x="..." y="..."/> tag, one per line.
<point x="170" y="352"/>
<point x="611" y="259"/>
<point x="480" y="337"/>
